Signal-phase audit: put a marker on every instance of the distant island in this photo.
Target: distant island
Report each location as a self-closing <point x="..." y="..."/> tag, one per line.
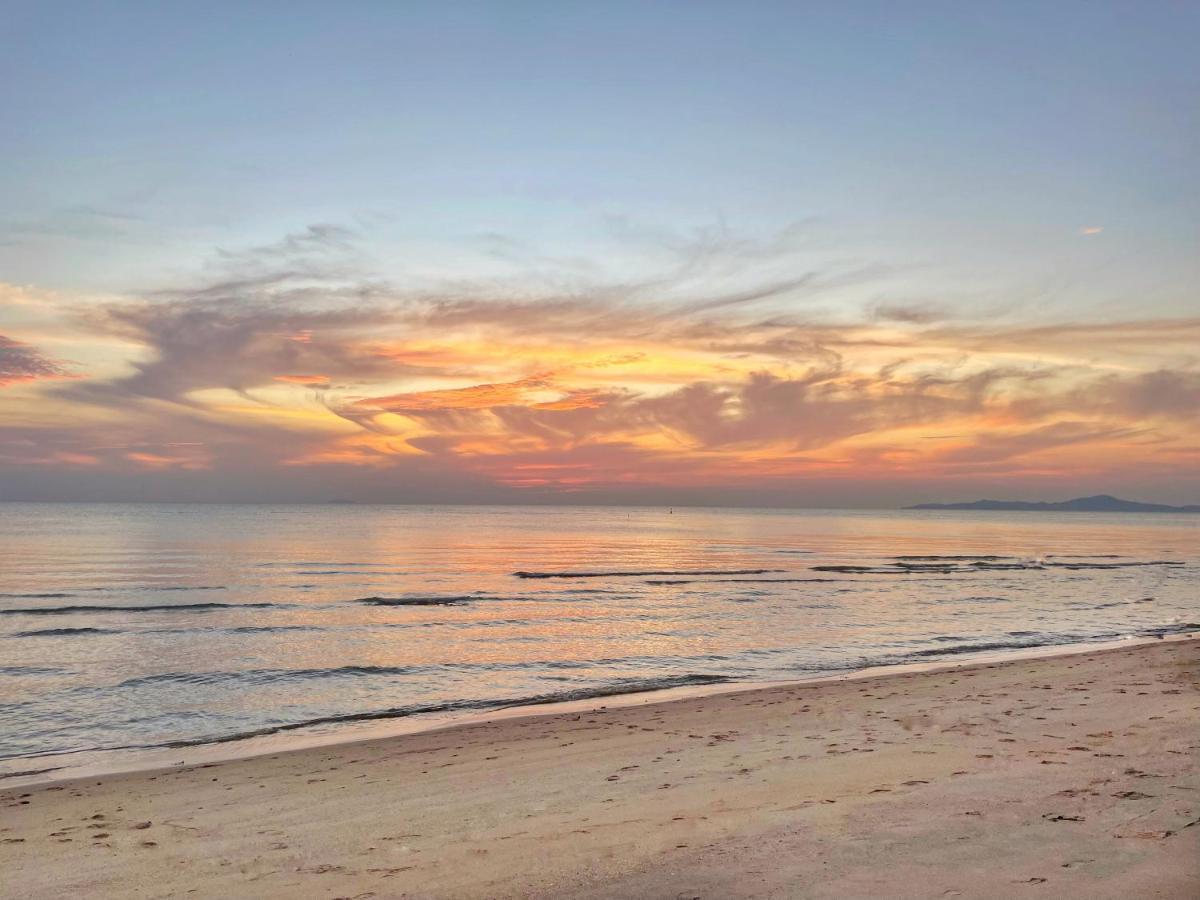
<point x="1099" y="503"/>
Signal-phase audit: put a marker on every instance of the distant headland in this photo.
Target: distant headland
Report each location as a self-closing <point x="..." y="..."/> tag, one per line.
<point x="1099" y="503"/>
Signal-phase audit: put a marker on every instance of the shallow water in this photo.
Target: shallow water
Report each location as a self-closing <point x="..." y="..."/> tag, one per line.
<point x="149" y="625"/>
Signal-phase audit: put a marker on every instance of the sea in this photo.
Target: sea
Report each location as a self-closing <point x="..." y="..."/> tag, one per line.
<point x="140" y="627"/>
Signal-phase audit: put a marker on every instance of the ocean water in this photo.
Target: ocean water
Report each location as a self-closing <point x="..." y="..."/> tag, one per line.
<point x="138" y="626"/>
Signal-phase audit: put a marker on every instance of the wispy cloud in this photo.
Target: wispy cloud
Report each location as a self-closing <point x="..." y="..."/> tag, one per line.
<point x="20" y="362"/>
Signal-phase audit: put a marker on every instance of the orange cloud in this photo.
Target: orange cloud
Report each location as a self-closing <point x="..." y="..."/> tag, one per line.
<point x="479" y="396"/>
<point x="303" y="379"/>
<point x="581" y="399"/>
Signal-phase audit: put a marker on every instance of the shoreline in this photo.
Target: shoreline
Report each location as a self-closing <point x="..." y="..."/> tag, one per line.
<point x="130" y="761"/>
<point x="1075" y="772"/>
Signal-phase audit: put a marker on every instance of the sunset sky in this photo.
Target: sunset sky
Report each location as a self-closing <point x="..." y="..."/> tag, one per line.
<point x="857" y="254"/>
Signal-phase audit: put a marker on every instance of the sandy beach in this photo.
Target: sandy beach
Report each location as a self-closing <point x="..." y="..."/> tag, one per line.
<point x="1067" y="776"/>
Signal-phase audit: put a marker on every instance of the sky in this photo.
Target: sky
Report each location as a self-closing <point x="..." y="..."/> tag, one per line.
<point x="790" y="254"/>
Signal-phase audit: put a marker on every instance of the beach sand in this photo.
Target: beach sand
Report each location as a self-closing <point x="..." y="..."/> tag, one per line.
<point x="1067" y="776"/>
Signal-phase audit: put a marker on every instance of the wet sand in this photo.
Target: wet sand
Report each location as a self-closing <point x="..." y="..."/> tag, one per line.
<point x="1068" y="776"/>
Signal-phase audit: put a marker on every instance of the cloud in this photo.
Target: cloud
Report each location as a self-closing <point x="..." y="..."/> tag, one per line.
<point x="990" y="447"/>
<point x="78" y="223"/>
<point x="1160" y="393"/>
<point x="19" y="362"/>
<point x="318" y="251"/>
<point x="292" y="365"/>
<point x="908" y="313"/>
<point x="312" y="380"/>
<point x="479" y="396"/>
<point x="1084" y="341"/>
<point x="201" y="343"/>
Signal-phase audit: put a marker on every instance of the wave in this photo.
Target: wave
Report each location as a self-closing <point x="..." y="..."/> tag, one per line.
<point x="944" y="600"/>
<point x="959" y="558"/>
<point x="57" y="595"/>
<point x="33" y="670"/>
<point x="115" y="588"/>
<point x="309" y="563"/>
<point x="1029" y="639"/>
<point x="186" y="587"/>
<point x="125" y="588"/>
<point x="610" y="689"/>
<point x="1116" y="565"/>
<point x="750" y="581"/>
<point x="63" y="632"/>
<point x="1020" y="640"/>
<point x="245" y="629"/>
<point x="646" y="573"/>
<point x="266" y="676"/>
<point x="958" y="565"/>
<point x="417" y="601"/>
<point x="158" y="607"/>
<point x="1121" y="603"/>
<point x="25" y="773"/>
<point x="880" y="570"/>
<point x="1172" y="628"/>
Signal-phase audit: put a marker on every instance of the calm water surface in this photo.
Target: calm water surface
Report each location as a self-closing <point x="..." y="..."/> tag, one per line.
<point x="133" y="626"/>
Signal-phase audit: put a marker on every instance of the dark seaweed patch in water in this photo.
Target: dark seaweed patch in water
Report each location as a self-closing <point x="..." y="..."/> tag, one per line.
<point x="416" y="601"/>
<point x="63" y="632"/>
<point x="646" y="573"/>
<point x="174" y="607"/>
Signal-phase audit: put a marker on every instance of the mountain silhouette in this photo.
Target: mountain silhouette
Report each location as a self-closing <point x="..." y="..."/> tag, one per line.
<point x="1098" y="503"/>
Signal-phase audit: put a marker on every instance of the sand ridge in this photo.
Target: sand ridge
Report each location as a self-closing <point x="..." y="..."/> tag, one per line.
<point x="1065" y="776"/>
